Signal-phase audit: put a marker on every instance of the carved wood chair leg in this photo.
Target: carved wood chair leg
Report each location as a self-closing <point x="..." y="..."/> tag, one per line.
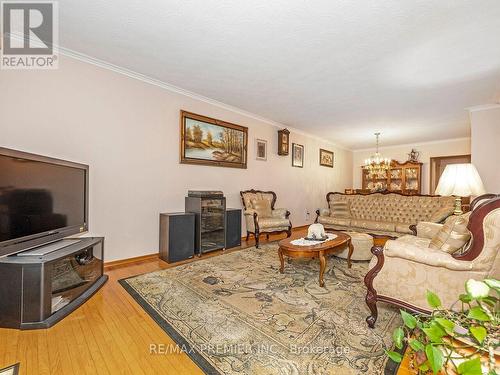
<point x="267" y="236"/>
<point x="257" y="240"/>
<point x="248" y="236"/>
<point x="371" y="294"/>
<point x="371" y="302"/>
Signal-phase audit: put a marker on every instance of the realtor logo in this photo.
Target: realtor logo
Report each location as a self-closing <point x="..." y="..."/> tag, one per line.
<point x="29" y="35"/>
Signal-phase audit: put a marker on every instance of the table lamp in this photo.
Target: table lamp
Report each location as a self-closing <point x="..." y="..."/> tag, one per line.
<point x="460" y="180"/>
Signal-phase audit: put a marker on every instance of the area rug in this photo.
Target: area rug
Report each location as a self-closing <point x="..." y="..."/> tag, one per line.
<point x="11" y="370"/>
<point x="236" y="314"/>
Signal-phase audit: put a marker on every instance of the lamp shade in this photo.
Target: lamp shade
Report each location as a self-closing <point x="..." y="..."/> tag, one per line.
<point x="461" y="180"/>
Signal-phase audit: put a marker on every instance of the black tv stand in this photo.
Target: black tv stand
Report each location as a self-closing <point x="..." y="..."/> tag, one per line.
<point x="37" y="291"/>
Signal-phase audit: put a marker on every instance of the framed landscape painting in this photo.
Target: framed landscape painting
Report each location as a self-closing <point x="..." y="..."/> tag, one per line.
<point x="297" y="155"/>
<point x="208" y="141"/>
<point x="325" y="158"/>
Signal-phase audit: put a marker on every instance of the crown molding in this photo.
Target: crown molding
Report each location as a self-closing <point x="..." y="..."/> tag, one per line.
<point x="414" y="144"/>
<point x="178" y="90"/>
<point x="483" y="107"/>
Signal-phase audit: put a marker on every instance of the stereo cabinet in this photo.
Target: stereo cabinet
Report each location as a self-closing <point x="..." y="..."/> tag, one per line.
<point x="210" y="223"/>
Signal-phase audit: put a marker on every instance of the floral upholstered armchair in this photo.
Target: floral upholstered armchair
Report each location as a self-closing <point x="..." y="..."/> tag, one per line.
<point x="262" y="217"/>
<point x="441" y="258"/>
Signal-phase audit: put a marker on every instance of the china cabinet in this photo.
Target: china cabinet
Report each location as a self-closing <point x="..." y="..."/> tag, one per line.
<point x="404" y="178"/>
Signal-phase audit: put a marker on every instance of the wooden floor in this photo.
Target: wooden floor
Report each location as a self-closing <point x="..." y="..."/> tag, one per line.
<point x="109" y="334"/>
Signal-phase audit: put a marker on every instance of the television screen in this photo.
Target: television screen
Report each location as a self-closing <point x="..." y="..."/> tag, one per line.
<point x="39" y="197"/>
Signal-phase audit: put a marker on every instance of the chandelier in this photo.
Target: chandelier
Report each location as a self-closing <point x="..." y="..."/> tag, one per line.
<point x="377" y="164"/>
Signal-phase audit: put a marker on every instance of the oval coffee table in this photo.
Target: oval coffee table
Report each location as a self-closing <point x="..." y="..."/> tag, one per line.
<point x="313" y="251"/>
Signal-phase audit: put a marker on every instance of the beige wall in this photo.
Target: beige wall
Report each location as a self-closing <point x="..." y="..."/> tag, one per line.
<point x="485" y="129"/>
<point x="400" y="153"/>
<point x="128" y="132"/>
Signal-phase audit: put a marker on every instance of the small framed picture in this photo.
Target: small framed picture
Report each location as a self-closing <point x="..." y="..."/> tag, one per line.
<point x="325" y="158"/>
<point x="297" y="155"/>
<point x="260" y="149"/>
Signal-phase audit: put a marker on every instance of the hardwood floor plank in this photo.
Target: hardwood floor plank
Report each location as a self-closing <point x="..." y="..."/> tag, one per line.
<point x="43" y="360"/>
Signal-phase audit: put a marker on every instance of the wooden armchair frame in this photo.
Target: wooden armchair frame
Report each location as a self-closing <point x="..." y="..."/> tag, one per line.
<point x="255" y="216"/>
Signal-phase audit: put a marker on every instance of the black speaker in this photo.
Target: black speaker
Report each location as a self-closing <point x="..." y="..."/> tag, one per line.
<point x="233" y="227"/>
<point x="176" y="236"/>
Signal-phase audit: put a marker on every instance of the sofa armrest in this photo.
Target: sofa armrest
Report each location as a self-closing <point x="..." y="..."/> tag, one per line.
<point x="280" y="212"/>
<point x="251" y="220"/>
<point x="425" y="255"/>
<point x="427" y="229"/>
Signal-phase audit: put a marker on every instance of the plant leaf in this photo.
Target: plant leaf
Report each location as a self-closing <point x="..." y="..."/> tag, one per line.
<point x="490" y="300"/>
<point x="470" y="367"/>
<point x="493" y="283"/>
<point x="396" y="357"/>
<point x="398" y="336"/>
<point x="433" y="300"/>
<point x="410" y="320"/>
<point x="479" y="333"/>
<point x="448" y="325"/>
<point x="416" y="345"/>
<point x="424" y="367"/>
<point x="435" y="357"/>
<point x="465" y="298"/>
<point x="434" y="332"/>
<point x="477" y="313"/>
<point x="477" y="289"/>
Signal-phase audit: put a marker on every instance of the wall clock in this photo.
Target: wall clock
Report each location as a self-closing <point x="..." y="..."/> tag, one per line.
<point x="283" y="142"/>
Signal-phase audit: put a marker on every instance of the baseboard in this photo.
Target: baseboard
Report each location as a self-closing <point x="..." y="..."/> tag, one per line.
<point x="121" y="262"/>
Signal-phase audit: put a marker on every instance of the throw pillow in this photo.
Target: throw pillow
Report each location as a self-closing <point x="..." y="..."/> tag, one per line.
<point x="263" y="207"/>
<point x="441" y="214"/>
<point x="453" y="235"/>
<point x="340" y="209"/>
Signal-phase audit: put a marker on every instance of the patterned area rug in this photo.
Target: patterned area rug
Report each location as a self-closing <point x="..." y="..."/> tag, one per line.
<point x="11" y="370"/>
<point x="236" y="314"/>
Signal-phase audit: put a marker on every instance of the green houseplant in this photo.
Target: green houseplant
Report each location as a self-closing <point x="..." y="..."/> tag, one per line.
<point x="460" y="340"/>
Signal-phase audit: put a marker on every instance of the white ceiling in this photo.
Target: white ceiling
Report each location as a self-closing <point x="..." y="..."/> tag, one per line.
<point x="337" y="69"/>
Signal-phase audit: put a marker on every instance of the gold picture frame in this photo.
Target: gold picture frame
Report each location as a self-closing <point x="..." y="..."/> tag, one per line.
<point x="208" y="141"/>
<point x="326" y="158"/>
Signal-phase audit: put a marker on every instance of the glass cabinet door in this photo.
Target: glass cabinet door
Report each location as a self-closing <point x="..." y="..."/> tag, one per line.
<point x="212" y="224"/>
<point x="411" y="178"/>
<point x="71" y="275"/>
<point x="396" y="175"/>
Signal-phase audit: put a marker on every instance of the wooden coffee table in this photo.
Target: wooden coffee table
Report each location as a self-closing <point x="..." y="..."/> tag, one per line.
<point x="313" y="251"/>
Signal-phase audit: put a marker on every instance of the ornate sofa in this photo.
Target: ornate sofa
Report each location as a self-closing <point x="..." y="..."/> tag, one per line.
<point x="390" y="214"/>
<point x="262" y="217"/>
<point x="437" y="259"/>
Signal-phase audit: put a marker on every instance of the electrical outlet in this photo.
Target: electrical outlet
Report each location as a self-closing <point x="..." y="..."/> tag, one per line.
<point x="308" y="215"/>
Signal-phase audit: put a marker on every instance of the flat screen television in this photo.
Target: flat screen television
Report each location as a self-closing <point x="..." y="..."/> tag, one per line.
<point x="42" y="200"/>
